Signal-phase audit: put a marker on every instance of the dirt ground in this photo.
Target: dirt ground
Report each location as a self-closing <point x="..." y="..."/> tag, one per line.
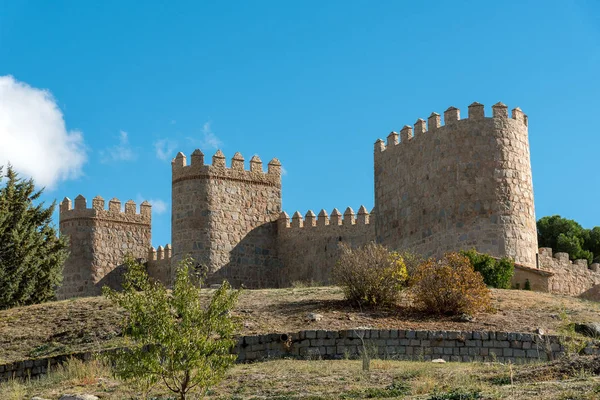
<point x="94" y="323"/>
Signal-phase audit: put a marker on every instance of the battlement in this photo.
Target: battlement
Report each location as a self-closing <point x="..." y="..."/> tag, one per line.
<point x="476" y="114"/>
<point x="197" y="169"/>
<point x="349" y="218"/>
<point x="160" y="253"/>
<point x="562" y="259"/>
<point x="98" y="211"/>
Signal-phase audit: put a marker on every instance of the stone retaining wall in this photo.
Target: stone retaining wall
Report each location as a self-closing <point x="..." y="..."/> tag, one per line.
<point x="386" y="344"/>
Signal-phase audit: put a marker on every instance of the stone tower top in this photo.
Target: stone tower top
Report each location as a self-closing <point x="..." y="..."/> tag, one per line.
<point x="98" y="210"/>
<point x="451" y="117"/>
<point x="236" y="172"/>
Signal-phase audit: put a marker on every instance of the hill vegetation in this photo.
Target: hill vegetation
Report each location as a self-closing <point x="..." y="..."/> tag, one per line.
<point x="87" y="324"/>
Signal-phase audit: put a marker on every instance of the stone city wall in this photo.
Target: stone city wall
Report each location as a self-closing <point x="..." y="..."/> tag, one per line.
<point x="99" y="239"/>
<point x="462" y="185"/>
<point x="572" y="278"/>
<point x="453" y="346"/>
<point x="158" y="265"/>
<point x="308" y="248"/>
<point x="225" y="217"/>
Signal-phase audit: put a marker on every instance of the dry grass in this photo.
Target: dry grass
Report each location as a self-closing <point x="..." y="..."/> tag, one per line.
<point x="93" y="323"/>
<point x="288" y="379"/>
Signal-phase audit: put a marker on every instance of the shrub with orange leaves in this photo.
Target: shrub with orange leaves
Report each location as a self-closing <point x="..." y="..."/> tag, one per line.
<point x="450" y="286"/>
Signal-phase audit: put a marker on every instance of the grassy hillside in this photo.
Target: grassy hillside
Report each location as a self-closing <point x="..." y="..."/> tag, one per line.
<point x="324" y="380"/>
<point x="93" y="323"/>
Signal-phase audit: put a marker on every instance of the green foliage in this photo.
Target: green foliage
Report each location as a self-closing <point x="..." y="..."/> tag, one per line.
<point x="566" y="235"/>
<point x="31" y="254"/>
<point x="370" y="275"/>
<point x="572" y="343"/>
<point x="174" y="337"/>
<point x="496" y="273"/>
<point x="450" y="286"/>
<point x="394" y="390"/>
<point x="527" y="285"/>
<point x="456" y="394"/>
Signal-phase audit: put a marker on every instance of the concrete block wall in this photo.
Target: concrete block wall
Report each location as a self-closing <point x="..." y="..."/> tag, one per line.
<point x="452" y="346"/>
<point x="407" y="345"/>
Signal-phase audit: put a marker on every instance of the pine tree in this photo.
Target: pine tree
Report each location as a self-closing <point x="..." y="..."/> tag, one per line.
<point x="31" y="253"/>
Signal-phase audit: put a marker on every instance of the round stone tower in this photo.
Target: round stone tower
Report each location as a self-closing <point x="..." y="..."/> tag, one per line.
<point x="463" y="185"/>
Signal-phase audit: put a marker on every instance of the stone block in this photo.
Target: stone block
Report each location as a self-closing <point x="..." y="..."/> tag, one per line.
<point x="532" y="353"/>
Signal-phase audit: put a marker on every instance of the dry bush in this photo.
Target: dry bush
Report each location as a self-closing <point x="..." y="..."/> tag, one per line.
<point x="450" y="286"/>
<point x="370" y="275"/>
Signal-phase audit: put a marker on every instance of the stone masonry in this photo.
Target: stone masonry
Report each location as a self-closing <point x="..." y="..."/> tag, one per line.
<point x="460" y="185"/>
<point x="99" y="239"/>
<point x="391" y="344"/>
<point x="463" y="185"/>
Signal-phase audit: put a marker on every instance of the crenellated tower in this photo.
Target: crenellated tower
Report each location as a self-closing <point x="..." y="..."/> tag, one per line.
<point x="224" y="217"/>
<point x="460" y="185"/>
<point x="99" y="239"/>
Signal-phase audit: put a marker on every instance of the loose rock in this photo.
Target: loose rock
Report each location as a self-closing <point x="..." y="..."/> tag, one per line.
<point x="591" y="329"/>
<point x="78" y="397"/>
<point x="314" y="317"/>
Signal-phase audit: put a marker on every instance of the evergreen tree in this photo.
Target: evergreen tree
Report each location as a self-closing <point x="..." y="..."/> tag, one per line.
<point x="566" y="235"/>
<point x="31" y="254"/>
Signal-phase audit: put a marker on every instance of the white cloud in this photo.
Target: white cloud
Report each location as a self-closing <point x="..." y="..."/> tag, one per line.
<point x="119" y="152"/>
<point x="165" y="148"/>
<point x="33" y="135"/>
<point x="158" y="206"/>
<point x="283" y="171"/>
<point x="208" y="140"/>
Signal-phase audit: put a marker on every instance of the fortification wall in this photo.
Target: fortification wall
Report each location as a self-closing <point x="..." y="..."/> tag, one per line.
<point x="572" y="278"/>
<point x="224" y="217"/>
<point x="308" y="248"/>
<point x="99" y="239"/>
<point x="158" y="265"/>
<point x="462" y="185"/>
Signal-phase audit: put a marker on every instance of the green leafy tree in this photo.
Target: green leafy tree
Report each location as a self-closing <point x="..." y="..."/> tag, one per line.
<point x="31" y="254"/>
<point x="496" y="273"/>
<point x="566" y="235"/>
<point x="593" y="243"/>
<point x="174" y="337"/>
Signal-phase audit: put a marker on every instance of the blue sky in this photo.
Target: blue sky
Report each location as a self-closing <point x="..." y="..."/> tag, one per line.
<point x="103" y="94"/>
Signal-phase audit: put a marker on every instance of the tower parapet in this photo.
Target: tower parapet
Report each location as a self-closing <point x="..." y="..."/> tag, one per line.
<point x="463" y="184"/>
<point x="99" y="239"/>
<point x="224" y="217"/>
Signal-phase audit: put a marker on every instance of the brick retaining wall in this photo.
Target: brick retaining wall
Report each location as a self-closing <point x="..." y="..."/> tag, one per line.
<point x="387" y="344"/>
